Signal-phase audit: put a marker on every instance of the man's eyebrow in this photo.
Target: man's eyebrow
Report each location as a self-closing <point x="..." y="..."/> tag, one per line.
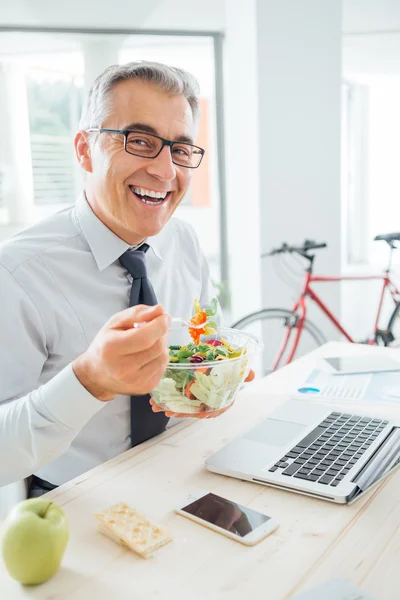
<point x="149" y="129"/>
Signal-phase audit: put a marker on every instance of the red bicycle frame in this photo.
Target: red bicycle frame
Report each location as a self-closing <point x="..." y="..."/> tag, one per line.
<point x="300" y="309"/>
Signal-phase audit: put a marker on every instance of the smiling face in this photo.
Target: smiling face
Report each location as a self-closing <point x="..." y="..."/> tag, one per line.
<point x="126" y="192"/>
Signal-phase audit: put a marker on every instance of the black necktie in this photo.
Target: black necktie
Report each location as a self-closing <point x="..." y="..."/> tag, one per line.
<point x="145" y="423"/>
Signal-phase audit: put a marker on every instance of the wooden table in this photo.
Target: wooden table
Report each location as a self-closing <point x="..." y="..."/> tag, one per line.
<point x="316" y="541"/>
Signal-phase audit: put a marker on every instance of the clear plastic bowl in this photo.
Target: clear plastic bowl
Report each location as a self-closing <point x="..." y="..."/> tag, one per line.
<point x="208" y="386"/>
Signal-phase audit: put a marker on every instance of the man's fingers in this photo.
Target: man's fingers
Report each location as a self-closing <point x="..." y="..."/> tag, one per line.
<point x="131" y="341"/>
<point x="157" y="352"/>
<point x="168" y="413"/>
<point x="135" y="314"/>
<point x="203" y="415"/>
<point x="152" y="372"/>
<point x="154" y="406"/>
<point x="132" y="364"/>
<point x="157" y="409"/>
<point x="250" y="376"/>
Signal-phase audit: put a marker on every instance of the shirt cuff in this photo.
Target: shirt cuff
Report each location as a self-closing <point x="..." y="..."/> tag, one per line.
<point x="67" y="400"/>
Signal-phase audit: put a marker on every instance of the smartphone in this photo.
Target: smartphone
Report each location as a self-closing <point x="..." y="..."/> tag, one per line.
<point x="238" y="522"/>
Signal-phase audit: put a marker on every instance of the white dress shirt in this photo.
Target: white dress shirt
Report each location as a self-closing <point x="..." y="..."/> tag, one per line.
<point x="60" y="281"/>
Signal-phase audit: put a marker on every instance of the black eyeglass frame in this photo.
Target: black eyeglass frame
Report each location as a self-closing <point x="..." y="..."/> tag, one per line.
<point x="165" y="142"/>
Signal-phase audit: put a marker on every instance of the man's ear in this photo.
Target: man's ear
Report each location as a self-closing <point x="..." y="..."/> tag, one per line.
<point x="82" y="150"/>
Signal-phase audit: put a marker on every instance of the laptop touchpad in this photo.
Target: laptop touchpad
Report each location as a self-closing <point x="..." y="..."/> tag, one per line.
<point x="275" y="432"/>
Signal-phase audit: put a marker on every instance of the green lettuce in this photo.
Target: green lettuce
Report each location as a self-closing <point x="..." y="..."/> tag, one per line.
<point x="180" y="377"/>
<point x="218" y="387"/>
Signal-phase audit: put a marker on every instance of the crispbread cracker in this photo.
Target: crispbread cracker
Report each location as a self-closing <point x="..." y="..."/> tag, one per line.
<point x="125" y="525"/>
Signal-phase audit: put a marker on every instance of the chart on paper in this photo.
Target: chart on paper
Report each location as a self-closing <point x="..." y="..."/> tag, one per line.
<point x="374" y="387"/>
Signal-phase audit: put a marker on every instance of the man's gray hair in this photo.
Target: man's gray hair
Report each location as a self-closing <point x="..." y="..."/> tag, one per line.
<point x="171" y="79"/>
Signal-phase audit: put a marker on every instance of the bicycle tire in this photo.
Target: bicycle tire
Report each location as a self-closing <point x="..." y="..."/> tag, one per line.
<point x="313" y="339"/>
<point x="390" y="337"/>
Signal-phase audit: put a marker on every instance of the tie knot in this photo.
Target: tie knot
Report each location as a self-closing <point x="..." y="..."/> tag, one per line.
<point x="134" y="261"/>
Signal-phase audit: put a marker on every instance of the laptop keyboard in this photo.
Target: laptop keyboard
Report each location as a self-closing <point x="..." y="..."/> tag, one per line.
<point x="330" y="450"/>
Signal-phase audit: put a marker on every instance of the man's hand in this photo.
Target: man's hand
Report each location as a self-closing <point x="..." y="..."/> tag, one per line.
<point x="250" y="376"/>
<point x="210" y="414"/>
<point x="124" y="360"/>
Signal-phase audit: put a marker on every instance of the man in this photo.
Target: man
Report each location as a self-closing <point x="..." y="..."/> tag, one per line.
<point x="70" y="358"/>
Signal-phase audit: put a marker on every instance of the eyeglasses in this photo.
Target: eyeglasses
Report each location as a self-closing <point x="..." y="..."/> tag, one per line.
<point x="147" y="145"/>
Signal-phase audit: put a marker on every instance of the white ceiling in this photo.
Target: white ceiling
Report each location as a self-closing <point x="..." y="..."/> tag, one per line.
<point x="358" y="15"/>
<point x="371" y="38"/>
<point x="102" y="14"/>
<point x="128" y="14"/>
<point x="371" y="28"/>
<point x="362" y="16"/>
<point x="77" y="13"/>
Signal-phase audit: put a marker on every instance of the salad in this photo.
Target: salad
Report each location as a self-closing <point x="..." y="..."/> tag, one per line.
<point x="204" y="374"/>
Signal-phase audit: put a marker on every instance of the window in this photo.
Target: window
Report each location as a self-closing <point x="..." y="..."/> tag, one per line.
<point x="54" y="102"/>
<point x="52" y="72"/>
<point x="371" y="145"/>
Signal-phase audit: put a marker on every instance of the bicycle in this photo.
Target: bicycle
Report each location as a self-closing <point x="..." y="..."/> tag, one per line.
<point x="299" y="329"/>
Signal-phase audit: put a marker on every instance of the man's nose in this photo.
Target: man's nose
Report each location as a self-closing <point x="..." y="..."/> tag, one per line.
<point x="162" y="166"/>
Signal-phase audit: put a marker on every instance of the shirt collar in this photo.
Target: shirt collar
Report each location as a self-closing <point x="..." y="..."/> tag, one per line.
<point x="105" y="245"/>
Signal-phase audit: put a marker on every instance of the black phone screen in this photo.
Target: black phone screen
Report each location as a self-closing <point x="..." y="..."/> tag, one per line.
<point x="226" y="514"/>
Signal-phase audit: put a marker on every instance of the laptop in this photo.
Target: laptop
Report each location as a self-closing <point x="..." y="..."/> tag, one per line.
<point x="313" y="450"/>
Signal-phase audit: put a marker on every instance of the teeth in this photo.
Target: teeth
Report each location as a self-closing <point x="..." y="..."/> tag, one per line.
<point x="150" y="193"/>
<point x="151" y="201"/>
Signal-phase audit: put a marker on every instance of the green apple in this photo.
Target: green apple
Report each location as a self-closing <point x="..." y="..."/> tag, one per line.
<point x="34" y="536"/>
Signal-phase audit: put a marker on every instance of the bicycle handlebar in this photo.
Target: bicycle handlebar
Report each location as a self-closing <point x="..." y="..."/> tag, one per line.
<point x="306" y="247"/>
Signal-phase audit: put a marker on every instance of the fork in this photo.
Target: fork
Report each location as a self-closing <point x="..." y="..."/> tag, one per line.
<point x="177" y="321"/>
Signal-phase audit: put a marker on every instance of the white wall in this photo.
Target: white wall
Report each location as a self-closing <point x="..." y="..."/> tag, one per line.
<point x="359" y="306"/>
<point x="242" y="166"/>
<point x="380" y="204"/>
<point x="371" y="51"/>
<point x="374" y="53"/>
<point x="299" y="77"/>
<point x="295" y="80"/>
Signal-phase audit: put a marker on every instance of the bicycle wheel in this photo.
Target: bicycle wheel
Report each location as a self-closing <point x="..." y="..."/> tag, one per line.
<point x="271" y="325"/>
<point x="391" y="337"/>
